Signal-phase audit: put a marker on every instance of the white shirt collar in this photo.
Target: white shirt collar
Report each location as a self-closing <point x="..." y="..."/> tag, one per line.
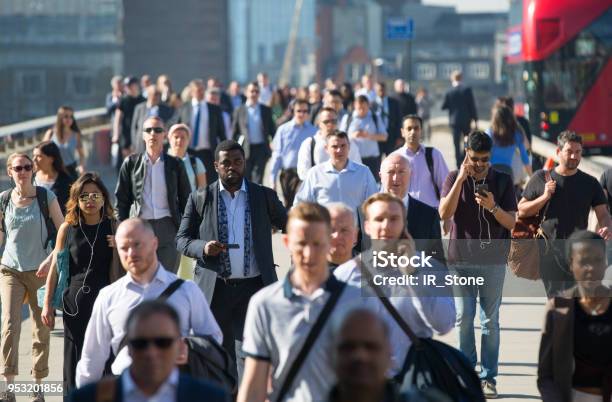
<point x="129" y="386"/>
<point x="195" y="102"/>
<point x="330" y="168"/>
<point x="242" y="187"/>
<point x="161" y="275"/>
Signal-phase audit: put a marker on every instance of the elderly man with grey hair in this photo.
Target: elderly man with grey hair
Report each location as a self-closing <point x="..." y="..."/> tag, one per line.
<point x="344" y="234"/>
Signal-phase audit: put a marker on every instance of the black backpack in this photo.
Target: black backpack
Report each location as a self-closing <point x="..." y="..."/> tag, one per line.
<point x="41" y="198"/>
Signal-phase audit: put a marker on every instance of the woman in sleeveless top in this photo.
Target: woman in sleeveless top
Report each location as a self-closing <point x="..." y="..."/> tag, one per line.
<point x="88" y="234"/>
<point x="24" y="265"/>
<point x="67" y="136"/>
<point x="51" y="173"/>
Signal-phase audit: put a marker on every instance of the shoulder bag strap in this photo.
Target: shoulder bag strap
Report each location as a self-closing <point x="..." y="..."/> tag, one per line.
<point x="310" y="340"/>
<point x="430" y="166"/>
<point x="312" y="149"/>
<point x="387" y="304"/>
<point x="5" y="198"/>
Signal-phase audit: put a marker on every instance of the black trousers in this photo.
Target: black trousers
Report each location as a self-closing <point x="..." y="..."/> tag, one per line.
<point x="458" y="134"/>
<point x="373" y="163"/>
<point x="290" y="182"/>
<point x="165" y="229"/>
<point x="256" y="163"/>
<point x="208" y="158"/>
<point x="229" y="306"/>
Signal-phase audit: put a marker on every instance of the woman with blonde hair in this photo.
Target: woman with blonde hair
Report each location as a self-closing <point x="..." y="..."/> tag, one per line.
<point x="87" y="235"/>
<point x="30" y="218"/>
<point x="67" y="136"/>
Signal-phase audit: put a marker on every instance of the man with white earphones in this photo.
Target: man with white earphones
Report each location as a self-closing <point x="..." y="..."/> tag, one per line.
<point x="481" y="203"/>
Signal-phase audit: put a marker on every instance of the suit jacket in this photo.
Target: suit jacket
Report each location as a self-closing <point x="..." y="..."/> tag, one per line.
<point x="196" y="230"/>
<point x="424" y="226"/>
<point x="240" y="122"/>
<point x="131" y="183"/>
<point x="407" y="103"/>
<point x="165" y="112"/>
<point x="189" y="389"/>
<point x="459" y="101"/>
<point x="394" y="119"/>
<point x="216" y="127"/>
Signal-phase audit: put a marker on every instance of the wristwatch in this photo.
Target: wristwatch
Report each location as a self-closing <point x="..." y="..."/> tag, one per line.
<point x="494" y="210"/>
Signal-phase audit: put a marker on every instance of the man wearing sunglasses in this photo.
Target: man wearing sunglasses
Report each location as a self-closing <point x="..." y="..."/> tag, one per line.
<point x="312" y="151"/>
<point x="285" y="147"/>
<point x="155" y="345"/>
<point x="145" y="280"/>
<point x="482" y="205"/>
<point x="154" y="186"/>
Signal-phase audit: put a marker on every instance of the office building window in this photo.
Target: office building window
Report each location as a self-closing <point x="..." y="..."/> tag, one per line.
<point x="426" y="71"/>
<point x="447" y="68"/>
<point x="479" y="71"/>
<point x="79" y="84"/>
<point x="31" y="83"/>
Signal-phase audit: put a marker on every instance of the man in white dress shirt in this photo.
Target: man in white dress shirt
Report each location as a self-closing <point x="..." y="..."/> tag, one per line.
<point x="145" y="280"/>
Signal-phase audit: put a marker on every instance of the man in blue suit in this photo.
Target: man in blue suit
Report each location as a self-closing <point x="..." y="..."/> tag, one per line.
<point x="156" y="347"/>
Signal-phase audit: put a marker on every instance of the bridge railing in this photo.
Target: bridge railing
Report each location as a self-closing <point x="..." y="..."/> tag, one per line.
<point x="93" y="123"/>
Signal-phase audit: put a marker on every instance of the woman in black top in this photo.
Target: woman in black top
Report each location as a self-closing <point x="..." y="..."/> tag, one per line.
<point x="575" y="361"/>
<point x="51" y="173"/>
<point x="88" y="234"/>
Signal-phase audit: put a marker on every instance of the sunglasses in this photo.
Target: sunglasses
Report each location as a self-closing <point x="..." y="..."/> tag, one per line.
<point x="329" y="121"/>
<point x="90" y="196"/>
<point x="18" y="169"/>
<point x="143" y="343"/>
<point x="156" y="130"/>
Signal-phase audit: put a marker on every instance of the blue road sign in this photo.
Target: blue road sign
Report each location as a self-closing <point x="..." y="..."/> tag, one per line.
<point x="399" y="28"/>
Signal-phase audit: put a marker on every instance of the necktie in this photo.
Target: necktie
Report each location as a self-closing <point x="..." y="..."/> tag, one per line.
<point x="223" y="229"/>
<point x="196" y="127"/>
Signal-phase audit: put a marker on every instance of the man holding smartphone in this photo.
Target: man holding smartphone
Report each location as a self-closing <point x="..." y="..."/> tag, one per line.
<point x="482" y="206"/>
<point x="227" y="227"/>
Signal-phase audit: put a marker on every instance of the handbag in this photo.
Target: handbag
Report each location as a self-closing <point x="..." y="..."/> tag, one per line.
<point x="524" y="255"/>
<point x="62" y="264"/>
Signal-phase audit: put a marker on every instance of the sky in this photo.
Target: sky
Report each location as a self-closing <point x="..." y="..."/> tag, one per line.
<point x="472" y="5"/>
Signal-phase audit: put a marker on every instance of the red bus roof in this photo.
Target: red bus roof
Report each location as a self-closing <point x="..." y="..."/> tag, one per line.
<point x="549" y="24"/>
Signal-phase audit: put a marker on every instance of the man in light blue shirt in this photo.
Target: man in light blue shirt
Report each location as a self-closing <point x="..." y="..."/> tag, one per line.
<point x="285" y="149"/>
<point x="367" y="129"/>
<point x="338" y="179"/>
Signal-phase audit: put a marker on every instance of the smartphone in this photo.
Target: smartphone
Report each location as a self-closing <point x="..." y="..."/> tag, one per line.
<point x="231" y="245"/>
<point x="482" y="189"/>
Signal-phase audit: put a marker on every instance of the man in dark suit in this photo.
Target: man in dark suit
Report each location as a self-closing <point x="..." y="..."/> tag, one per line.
<point x="404" y="97"/>
<point x="253" y="128"/>
<point x="155" y="346"/>
<point x="227" y="228"/>
<point x="389" y="110"/>
<point x="423" y="221"/>
<point x="459" y="101"/>
<point x="151" y="107"/>
<point x="206" y="123"/>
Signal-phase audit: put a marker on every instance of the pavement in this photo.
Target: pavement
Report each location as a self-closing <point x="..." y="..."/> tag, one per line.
<point x="520" y="320"/>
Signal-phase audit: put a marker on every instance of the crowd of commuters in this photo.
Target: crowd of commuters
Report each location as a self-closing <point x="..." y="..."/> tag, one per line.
<point x="186" y="248"/>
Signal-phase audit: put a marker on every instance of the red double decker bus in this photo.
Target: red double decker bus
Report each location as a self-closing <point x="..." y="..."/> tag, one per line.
<point x="559" y="68"/>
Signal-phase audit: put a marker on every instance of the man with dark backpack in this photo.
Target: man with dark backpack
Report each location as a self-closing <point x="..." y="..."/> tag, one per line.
<point x="287" y="330"/>
<point x="146" y="279"/>
<point x="428" y="168"/>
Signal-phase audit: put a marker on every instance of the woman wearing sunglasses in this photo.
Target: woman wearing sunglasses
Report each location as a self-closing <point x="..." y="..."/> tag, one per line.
<point x="67" y="136"/>
<point x="24" y="265"/>
<point x="51" y="173"/>
<point x="88" y="235"/>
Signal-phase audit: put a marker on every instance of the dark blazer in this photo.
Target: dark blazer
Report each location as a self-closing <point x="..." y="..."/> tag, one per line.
<point x="196" y="230"/>
<point x="216" y="127"/>
<point x="394" y="124"/>
<point x="165" y="112"/>
<point x="189" y="389"/>
<point x="459" y="101"/>
<point x="240" y="122"/>
<point x="424" y="226"/>
<point x="407" y="103"/>
<point x="131" y="183"/>
<point x="61" y="189"/>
